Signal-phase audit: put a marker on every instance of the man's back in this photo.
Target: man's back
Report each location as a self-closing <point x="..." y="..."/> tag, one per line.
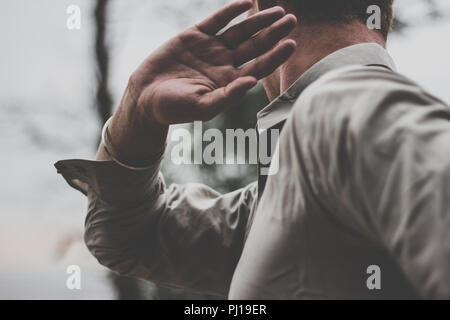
<point x="356" y="210"/>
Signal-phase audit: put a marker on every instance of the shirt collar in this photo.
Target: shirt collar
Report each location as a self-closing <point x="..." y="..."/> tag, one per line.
<point x="359" y="54"/>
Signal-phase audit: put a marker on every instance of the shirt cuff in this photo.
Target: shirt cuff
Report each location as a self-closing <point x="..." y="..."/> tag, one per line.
<point x="111" y="183"/>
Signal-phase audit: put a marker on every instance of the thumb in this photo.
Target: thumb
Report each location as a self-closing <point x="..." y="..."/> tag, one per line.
<point x="217" y="101"/>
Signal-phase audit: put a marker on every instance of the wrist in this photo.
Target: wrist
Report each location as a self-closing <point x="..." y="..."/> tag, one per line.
<point x="134" y="136"/>
<point x="143" y="108"/>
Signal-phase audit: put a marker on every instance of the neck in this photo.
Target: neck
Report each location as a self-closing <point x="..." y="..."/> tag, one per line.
<point x="315" y="43"/>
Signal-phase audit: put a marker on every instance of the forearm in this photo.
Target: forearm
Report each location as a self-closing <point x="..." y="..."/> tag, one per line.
<point x="134" y="137"/>
<point x="186" y="236"/>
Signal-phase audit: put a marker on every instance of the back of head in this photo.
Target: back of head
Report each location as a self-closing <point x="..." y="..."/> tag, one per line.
<point x="338" y="11"/>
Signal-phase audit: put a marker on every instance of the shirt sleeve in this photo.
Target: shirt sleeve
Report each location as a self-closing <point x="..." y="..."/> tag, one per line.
<point x="377" y="151"/>
<point x="186" y="236"/>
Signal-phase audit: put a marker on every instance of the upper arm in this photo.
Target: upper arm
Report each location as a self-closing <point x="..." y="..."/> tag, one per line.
<point x="377" y="151"/>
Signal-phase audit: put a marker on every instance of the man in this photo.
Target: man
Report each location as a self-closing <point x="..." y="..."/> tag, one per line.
<point x="360" y="205"/>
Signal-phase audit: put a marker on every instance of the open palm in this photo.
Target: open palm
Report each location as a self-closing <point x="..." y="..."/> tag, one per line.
<point x="199" y="73"/>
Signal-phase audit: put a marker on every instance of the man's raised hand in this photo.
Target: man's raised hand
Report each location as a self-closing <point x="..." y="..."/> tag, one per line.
<point x="200" y="73"/>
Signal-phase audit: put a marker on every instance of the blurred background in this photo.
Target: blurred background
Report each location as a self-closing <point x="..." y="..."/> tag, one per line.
<point x="57" y="87"/>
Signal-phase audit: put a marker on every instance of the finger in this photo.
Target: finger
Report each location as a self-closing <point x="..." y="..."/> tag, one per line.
<point x="221" y="18"/>
<point x="264" y="41"/>
<point x="240" y="32"/>
<point x="215" y="102"/>
<point x="270" y="61"/>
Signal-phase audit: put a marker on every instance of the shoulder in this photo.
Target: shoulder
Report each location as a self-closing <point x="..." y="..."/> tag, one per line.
<point x="360" y="93"/>
<point x="349" y="83"/>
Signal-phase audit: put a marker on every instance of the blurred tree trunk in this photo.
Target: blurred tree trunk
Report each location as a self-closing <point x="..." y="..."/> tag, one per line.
<point x="103" y="96"/>
<point x="125" y="288"/>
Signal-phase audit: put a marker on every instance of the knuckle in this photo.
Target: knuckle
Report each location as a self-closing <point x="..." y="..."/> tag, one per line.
<point x="190" y="34"/>
<point x="257" y="69"/>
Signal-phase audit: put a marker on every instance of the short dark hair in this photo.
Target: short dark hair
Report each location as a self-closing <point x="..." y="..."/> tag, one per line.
<point x="343" y="11"/>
